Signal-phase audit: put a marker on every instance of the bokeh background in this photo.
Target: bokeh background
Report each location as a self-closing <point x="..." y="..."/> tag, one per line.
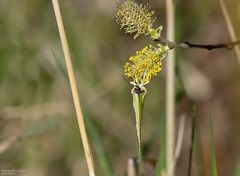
<point x="38" y="127"/>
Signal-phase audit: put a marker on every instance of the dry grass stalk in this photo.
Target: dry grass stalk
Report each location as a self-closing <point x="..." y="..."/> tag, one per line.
<point x="73" y="85"/>
<point x="230" y="26"/>
<point x="170" y="104"/>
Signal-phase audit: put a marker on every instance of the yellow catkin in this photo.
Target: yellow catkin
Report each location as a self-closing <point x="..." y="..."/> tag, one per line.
<point x="144" y="65"/>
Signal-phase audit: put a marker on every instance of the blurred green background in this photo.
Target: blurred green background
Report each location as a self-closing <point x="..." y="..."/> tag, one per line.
<point x="38" y="127"/>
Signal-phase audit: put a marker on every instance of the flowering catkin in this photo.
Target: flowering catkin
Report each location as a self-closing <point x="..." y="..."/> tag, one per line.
<point x="143" y="66"/>
<point x="136" y="18"/>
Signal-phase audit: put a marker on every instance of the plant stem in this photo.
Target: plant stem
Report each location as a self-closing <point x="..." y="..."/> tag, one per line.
<point x="170" y="111"/>
<point x="186" y="45"/>
<point x="138" y="95"/>
<point x="73" y="85"/>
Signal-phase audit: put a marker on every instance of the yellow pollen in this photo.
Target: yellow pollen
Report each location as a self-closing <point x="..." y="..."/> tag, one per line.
<point x="144" y="65"/>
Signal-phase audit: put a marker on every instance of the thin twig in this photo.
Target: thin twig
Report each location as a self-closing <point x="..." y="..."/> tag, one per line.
<point x="173" y="45"/>
<point x="170" y="89"/>
<point x="73" y="85"/>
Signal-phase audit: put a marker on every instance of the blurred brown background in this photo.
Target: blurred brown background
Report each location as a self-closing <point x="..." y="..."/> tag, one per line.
<point x="38" y="127"/>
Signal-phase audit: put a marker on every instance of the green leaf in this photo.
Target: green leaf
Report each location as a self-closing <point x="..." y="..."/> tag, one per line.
<point x="192" y="144"/>
<point x="199" y="154"/>
<point x="162" y="162"/>
<point x="103" y="158"/>
<point x="213" y="151"/>
<point x="138" y="95"/>
<point x="155" y="134"/>
<point x="237" y="172"/>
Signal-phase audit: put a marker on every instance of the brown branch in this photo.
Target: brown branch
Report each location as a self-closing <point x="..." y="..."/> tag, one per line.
<point x="173" y="45"/>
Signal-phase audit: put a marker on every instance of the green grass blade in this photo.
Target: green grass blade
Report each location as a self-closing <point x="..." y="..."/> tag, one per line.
<point x="237" y="172"/>
<point x="103" y="158"/>
<point x="192" y="144"/>
<point x="162" y="162"/>
<point x="104" y="162"/>
<point x="200" y="171"/>
<point x="213" y="151"/>
<point x="156" y="133"/>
